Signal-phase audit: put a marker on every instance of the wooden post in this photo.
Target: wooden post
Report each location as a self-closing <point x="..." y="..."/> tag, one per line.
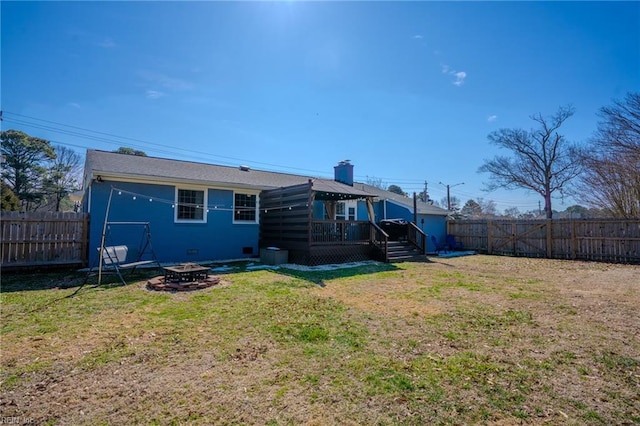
<point x="84" y="246"/>
<point x="489" y="238"/>
<point x="310" y="200"/>
<point x="574" y="240"/>
<point x="549" y="239"/>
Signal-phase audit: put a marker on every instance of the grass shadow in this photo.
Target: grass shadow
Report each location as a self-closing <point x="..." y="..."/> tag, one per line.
<point x="319" y="276"/>
<point x="316" y="275"/>
<point x="62" y="279"/>
<point x="17" y="281"/>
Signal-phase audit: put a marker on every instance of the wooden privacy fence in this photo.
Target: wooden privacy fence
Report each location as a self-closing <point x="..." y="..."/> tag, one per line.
<point x="607" y="240"/>
<point x="43" y="239"/>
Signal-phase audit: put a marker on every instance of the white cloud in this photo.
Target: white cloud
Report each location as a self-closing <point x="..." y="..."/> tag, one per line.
<point x="171" y="83"/>
<point x="460" y="76"/>
<point x="107" y="43"/>
<point x="418" y="37"/>
<point x="492" y="118"/>
<point x="74" y="105"/>
<point x="154" y="94"/>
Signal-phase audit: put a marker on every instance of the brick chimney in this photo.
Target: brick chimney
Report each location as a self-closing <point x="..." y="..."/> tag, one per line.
<point x="343" y="172"/>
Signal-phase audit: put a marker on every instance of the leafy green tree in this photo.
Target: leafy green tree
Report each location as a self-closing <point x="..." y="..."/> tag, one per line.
<point x="542" y="159"/>
<point x="23" y="170"/>
<point x="396" y="190"/>
<point x="471" y="209"/>
<point x="130" y="151"/>
<point x="9" y="200"/>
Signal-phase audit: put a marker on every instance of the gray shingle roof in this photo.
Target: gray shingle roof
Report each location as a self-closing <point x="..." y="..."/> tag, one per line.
<point x="423" y="208"/>
<point x="114" y="165"/>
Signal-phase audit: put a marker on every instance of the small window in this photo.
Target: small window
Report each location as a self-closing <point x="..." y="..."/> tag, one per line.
<point x="352" y="213"/>
<point x="190" y="205"/>
<point x="245" y="207"/>
<point x="340" y="208"/>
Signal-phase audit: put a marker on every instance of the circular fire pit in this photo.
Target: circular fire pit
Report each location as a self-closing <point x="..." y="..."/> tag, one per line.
<point x="187" y="276"/>
<point x="158" y="283"/>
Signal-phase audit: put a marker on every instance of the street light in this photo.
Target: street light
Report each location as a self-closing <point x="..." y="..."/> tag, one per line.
<point x="448" y="193"/>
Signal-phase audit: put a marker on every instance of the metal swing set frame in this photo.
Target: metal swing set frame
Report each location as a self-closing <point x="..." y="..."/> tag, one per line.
<point x="113" y="258"/>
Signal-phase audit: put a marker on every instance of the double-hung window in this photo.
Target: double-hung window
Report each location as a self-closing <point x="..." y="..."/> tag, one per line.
<point x="191" y="205"/>
<point x="245" y="207"/>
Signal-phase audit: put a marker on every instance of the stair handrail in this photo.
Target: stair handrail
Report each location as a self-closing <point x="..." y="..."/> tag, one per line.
<point x="417" y="237"/>
<point x="380" y="239"/>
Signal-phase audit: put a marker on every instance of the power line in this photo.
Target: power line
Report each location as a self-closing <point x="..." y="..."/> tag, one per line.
<point x="126" y="138"/>
<point x="117" y="140"/>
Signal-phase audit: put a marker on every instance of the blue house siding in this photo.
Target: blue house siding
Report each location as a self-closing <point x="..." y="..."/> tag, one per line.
<point x="396" y="211"/>
<point x="433" y="225"/>
<point x="361" y="211"/>
<point x="318" y="210"/>
<point x="218" y="238"/>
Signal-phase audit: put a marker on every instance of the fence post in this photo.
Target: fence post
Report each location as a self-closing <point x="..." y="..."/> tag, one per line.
<point x="549" y="239"/>
<point x="574" y="240"/>
<point x="489" y="238"/>
<point x="84" y="245"/>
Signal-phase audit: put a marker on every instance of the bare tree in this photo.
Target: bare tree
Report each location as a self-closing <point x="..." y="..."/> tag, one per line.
<point x="451" y="203"/>
<point x="512" y="212"/>
<point x="377" y="182"/>
<point x="63" y="176"/>
<point x="611" y="178"/>
<point x="543" y="161"/>
<point x="489" y="207"/>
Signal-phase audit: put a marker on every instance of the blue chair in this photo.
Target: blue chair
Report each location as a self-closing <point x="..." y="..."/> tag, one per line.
<point x="439" y="246"/>
<point x="453" y="244"/>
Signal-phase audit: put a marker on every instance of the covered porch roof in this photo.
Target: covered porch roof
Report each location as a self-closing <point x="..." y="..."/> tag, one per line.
<point x="330" y="190"/>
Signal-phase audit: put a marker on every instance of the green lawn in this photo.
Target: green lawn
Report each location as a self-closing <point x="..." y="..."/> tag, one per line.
<point x="475" y="339"/>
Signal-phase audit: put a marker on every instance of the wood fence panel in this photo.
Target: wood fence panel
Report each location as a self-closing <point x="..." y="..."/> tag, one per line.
<point x="42" y="239"/>
<point x="606" y="240"/>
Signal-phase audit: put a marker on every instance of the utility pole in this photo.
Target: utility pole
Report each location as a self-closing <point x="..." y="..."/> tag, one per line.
<point x="449" y="193"/>
<point x="426" y="193"/>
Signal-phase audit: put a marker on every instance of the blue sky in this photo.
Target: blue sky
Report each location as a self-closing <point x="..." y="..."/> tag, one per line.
<point x="408" y="91"/>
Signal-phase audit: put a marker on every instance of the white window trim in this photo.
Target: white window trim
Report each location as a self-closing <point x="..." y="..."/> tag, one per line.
<point x="246" y="222"/>
<point x="347" y="204"/>
<point x="205" y="205"/>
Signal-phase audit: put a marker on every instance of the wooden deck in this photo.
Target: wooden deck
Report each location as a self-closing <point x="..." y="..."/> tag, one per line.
<point x="287" y="222"/>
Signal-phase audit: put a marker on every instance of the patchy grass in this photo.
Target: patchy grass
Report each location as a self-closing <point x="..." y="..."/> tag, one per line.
<point x="474" y="339"/>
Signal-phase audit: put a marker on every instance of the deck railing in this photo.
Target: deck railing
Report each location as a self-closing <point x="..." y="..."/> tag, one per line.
<point x="350" y="232"/>
<point x="339" y="232"/>
<point x="380" y="240"/>
<point x="416" y="237"/>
